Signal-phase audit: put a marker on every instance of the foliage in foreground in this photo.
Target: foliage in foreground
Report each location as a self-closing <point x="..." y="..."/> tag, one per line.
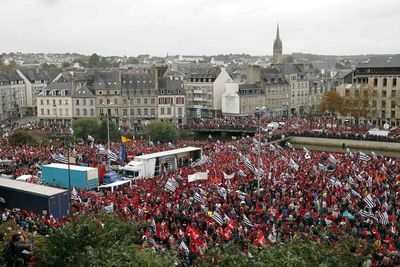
<point x="103" y="241"/>
<point x="292" y="253"/>
<point x="95" y="128"/>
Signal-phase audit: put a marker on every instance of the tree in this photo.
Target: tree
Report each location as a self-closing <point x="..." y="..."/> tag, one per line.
<point x="94" y="60"/>
<point x="161" y="131"/>
<point x="84" y="127"/>
<point x="332" y="102"/>
<point x="22" y="137"/>
<point x="103" y="240"/>
<point x="359" y="104"/>
<point x="101" y="133"/>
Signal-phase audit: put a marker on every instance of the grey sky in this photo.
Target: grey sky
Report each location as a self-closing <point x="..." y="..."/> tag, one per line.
<point x="158" y="27"/>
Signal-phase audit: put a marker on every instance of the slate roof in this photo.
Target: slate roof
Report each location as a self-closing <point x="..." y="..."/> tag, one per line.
<point x="106" y="80"/>
<point x="83" y="92"/>
<point x="392" y="61"/>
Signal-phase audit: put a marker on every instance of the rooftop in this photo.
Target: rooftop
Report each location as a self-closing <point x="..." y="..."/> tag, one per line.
<point x="29" y="187"/>
<point x="167" y="153"/>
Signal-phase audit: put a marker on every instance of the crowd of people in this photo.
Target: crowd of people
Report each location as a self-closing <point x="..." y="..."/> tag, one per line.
<point x="255" y="197"/>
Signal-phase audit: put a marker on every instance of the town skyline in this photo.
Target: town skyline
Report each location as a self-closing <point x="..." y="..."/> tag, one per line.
<point x="201" y="28"/>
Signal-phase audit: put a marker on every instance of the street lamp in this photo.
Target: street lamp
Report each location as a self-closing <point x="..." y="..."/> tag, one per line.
<point x="259" y="112"/>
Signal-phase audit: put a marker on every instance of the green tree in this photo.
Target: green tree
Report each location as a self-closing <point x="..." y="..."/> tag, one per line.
<point x="98" y="241"/>
<point x="94" y="60"/>
<point x="161" y="131"/>
<point x="101" y="133"/>
<point x="359" y="103"/>
<point x="22" y="137"/>
<point x="84" y="127"/>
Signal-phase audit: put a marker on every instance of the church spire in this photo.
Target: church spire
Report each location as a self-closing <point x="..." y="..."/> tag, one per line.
<point x="277" y="32"/>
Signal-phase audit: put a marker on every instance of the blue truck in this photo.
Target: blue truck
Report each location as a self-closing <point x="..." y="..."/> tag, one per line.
<point x="63" y="176"/>
<point x="34" y="197"/>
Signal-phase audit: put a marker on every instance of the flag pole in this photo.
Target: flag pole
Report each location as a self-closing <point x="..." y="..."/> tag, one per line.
<point x="108" y="140"/>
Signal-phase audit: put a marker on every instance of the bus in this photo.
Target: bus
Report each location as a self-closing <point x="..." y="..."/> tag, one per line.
<point x="154" y="164"/>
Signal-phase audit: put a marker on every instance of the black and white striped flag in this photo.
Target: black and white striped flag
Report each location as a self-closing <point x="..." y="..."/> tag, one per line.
<point x="364" y="157"/>
<point x="217" y="218"/>
<point x="293" y="164"/>
<point x="246" y="221"/>
<point x="369" y="201"/>
<point x="383" y="217"/>
<point x="249" y="165"/>
<point x="367" y="214"/>
<point x="171" y="185"/>
<point x="112" y="156"/>
<point x="60" y="158"/>
<point x="198" y="198"/>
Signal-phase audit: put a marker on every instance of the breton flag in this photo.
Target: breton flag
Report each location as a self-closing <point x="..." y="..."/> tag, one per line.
<point x="198" y="198"/>
<point x="112" y="156"/>
<point x="364" y="157"/>
<point x="355" y="193"/>
<point x="369" y="201"/>
<point x="60" y="158"/>
<point x="249" y="165"/>
<point x="222" y="192"/>
<point x="383" y="217"/>
<point x="217" y="218"/>
<point x="366" y="214"/>
<point x="294" y="165"/>
<point x="246" y="221"/>
<point x="171" y="185"/>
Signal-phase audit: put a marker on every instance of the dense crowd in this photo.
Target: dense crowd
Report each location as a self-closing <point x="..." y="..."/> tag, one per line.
<point x="302" y="194"/>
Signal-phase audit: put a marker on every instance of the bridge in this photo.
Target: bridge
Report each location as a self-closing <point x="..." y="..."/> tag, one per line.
<point x="224" y="130"/>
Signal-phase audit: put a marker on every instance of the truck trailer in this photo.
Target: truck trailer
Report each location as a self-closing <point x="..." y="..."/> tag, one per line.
<point x="64" y="176"/>
<point x="33" y="197"/>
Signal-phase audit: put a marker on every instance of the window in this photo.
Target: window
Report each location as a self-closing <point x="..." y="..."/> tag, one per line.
<point x="116" y="112"/>
<point x="125" y="101"/>
<point x="153" y="101"/>
<point x="153" y="112"/>
<point x="375" y="82"/>
<point x="54" y="102"/>
<point x="91" y="102"/>
<point x="393" y="104"/>
<point x="139" y="112"/>
<point x="393" y="113"/>
<point x="347" y="93"/>
<point x="384" y="82"/>
<point x="145" y="101"/>
<point x="383" y="93"/>
<point x="393" y="93"/>
<point x="77" y="102"/>
<point x="66" y="112"/>
<point x="60" y="102"/>
<point x="54" y="111"/>
<point x="162" y="111"/>
<point x="108" y="101"/>
<point x="138" y="101"/>
<point x="125" y="112"/>
<point x="84" y="102"/>
<point x="48" y="102"/>
<point x="169" y="111"/>
<point x="60" y="111"/>
<point x="180" y="111"/>
<point x="101" y="101"/>
<point x="383" y="103"/>
<point x="42" y="111"/>
<point x="116" y="101"/>
<point x="91" y="112"/>
<point x="77" y="111"/>
<point x="394" y="82"/>
<point x="84" y="112"/>
<point x="41" y="102"/>
<point x="132" y="112"/>
<point x="145" y="111"/>
<point x="48" y="111"/>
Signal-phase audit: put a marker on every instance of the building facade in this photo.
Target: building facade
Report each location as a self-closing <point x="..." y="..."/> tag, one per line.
<point x="377" y="82"/>
<point x="54" y="104"/>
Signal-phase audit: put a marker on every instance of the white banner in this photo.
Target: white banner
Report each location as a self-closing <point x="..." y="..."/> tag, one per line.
<point x="229" y="176"/>
<point x="198" y="176"/>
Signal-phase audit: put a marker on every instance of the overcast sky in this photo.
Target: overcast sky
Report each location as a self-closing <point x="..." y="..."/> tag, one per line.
<point x="158" y="27"/>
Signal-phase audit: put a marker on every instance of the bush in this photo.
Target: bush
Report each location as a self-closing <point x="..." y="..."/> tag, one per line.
<point x="22" y="137"/>
<point x="161" y="131"/>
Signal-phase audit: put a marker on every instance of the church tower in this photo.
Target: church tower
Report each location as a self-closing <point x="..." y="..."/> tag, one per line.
<point x="277" y="56"/>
